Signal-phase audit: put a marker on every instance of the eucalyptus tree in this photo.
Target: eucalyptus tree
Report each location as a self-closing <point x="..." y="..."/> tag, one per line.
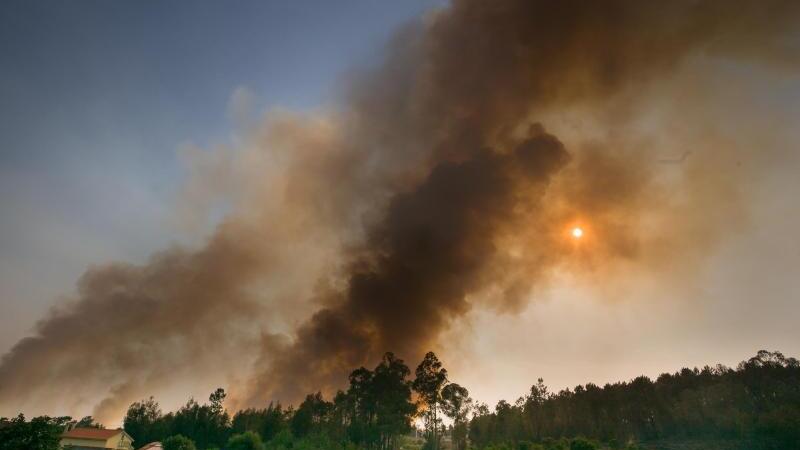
<point x="456" y="404"/>
<point x="431" y="377"/>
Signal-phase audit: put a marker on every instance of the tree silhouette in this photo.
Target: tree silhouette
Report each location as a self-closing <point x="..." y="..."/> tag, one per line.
<point x="456" y="404"/>
<point x="754" y="406"/>
<point x="430" y="379"/>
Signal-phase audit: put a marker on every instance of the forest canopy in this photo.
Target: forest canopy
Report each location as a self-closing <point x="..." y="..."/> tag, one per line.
<point x="754" y="405"/>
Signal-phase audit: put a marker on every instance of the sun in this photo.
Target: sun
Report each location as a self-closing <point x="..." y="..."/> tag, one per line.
<point x="577" y="232"/>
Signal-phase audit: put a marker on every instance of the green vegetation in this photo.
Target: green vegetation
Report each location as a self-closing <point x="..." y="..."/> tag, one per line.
<point x="755" y="406"/>
<point x="758" y="402"/>
<point x="373" y="413"/>
<point x="178" y="442"/>
<point x="245" y="441"/>
<point x="40" y="433"/>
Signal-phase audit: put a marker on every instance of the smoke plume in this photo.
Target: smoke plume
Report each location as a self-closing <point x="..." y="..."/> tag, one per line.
<point x="446" y="180"/>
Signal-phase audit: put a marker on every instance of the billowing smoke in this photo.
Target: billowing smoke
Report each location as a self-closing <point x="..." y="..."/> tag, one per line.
<point x="438" y="186"/>
<point x="430" y="252"/>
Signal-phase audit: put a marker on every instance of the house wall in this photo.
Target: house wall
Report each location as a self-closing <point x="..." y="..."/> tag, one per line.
<point x="83" y="443"/>
<point x="114" y="442"/>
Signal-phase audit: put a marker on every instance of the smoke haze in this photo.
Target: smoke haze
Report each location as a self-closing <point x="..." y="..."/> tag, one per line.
<point x="445" y="182"/>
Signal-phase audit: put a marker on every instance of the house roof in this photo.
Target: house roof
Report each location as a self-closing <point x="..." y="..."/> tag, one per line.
<point x="91" y="433"/>
<point x="153" y="446"/>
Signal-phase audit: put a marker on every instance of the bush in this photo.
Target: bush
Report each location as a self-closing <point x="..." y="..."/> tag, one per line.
<point x="283" y="440"/>
<point x="245" y="441"/>
<point x="555" y="444"/>
<point x="582" y="444"/>
<point x="178" y="442"/>
<point x="316" y="441"/>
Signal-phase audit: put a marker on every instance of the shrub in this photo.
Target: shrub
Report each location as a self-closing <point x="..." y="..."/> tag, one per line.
<point x="582" y="444"/>
<point x="245" y="441"/>
<point x="283" y="440"/>
<point x="178" y="442"/>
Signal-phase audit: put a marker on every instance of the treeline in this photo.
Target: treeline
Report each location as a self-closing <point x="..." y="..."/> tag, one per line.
<point x="374" y="412"/>
<point x="39" y="433"/>
<point x="757" y="403"/>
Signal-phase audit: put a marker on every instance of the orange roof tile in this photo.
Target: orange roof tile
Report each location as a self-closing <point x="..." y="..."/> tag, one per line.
<point x="91" y="433"/>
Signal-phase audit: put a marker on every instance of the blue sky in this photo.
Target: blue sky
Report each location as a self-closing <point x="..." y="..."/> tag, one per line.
<point x="96" y="97"/>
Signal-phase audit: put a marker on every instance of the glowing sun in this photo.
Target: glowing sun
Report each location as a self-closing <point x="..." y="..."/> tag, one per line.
<point x="577" y="232"/>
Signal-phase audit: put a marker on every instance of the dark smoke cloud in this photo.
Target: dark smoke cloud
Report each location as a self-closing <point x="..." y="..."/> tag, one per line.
<point x="484" y="70"/>
<point x="422" y="261"/>
<point x="429" y="192"/>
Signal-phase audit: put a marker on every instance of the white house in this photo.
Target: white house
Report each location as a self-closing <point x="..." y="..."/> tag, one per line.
<point x="96" y="439"/>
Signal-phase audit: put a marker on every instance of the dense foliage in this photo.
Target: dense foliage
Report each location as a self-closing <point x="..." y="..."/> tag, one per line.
<point x="759" y="401"/>
<point x="755" y="406"/>
<point x="207" y="425"/>
<point x="245" y="441"/>
<point x="375" y="410"/>
<point x="40" y="433"/>
<point x="178" y="442"/>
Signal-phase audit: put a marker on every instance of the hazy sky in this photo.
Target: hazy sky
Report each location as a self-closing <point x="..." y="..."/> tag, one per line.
<point x="98" y="97"/>
<point x="99" y="102"/>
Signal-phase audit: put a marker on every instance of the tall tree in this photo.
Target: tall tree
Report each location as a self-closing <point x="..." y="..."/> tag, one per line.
<point x="430" y="378"/>
<point x="392" y="392"/>
<point x="311" y="415"/>
<point x="534" y="407"/>
<point x="207" y="425"/>
<point x="143" y="422"/>
<point x="360" y="401"/>
<point x="266" y="422"/>
<point x="456" y="405"/>
<point x="215" y="401"/>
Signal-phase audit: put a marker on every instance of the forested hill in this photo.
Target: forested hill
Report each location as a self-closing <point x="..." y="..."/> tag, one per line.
<point x="757" y="405"/>
<point x="754" y="406"/>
